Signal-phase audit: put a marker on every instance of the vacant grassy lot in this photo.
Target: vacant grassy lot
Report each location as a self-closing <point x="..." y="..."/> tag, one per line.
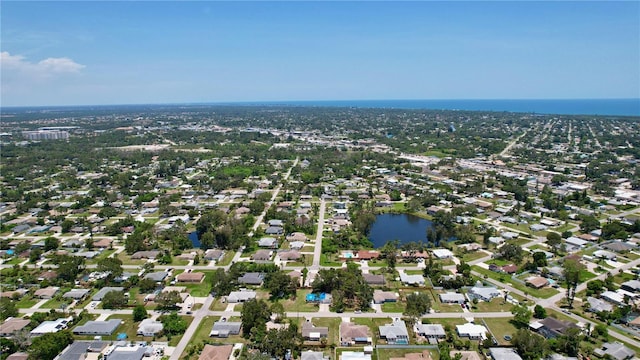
<point x="500" y="327"/>
<point x="496" y="305"/>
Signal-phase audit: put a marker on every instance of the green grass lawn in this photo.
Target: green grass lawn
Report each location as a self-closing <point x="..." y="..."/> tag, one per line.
<point x="299" y="303"/>
<point x="540" y="293"/>
<point x="126" y="259"/>
<point x="55" y="303"/>
<point x="26" y="302"/>
<point x="218" y="305"/>
<point x="130" y="328"/>
<point x="202" y="333"/>
<point x="470" y="256"/>
<point x="497" y="304"/>
<point x="226" y="258"/>
<point x="500" y="327"/>
<point x="393" y="307"/>
<point x="386" y="354"/>
<point x="373" y="324"/>
<point x="104" y="254"/>
<point x="329" y="260"/>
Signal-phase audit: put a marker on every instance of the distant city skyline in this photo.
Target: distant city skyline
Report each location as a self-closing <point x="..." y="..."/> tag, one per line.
<point x="96" y="53"/>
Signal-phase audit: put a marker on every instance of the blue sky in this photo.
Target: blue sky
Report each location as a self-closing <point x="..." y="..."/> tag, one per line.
<point x="75" y="53"/>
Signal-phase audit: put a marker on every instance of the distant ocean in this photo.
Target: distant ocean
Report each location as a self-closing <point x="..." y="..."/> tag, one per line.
<point x="615" y="107"/>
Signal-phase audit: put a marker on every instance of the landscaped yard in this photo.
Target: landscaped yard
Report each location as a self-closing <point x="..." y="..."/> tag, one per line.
<point x="300" y="303"/>
<point x="540" y="293"/>
<point x="497" y="304"/>
<point x="393" y="307"/>
<point x="470" y="256"/>
<point x="26" y="302"/>
<point x="386" y="354"/>
<point x="130" y="328"/>
<point x="334" y="328"/>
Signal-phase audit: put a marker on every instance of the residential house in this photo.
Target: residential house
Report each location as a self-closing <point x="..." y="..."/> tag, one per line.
<point x="509" y="269"/>
<point x="297" y="236"/>
<point x="631" y="286"/>
<point x="472" y="331"/>
<point x="484" y="293"/>
<point x="240" y="296"/>
<point x="98" y="327"/>
<point x="395" y="333"/>
<point x="596" y="305"/>
<point x="12" y="325"/>
<point x="432" y="332"/>
<point x="452" y="298"/>
<point x="81" y="350"/>
<point x="504" y="353"/>
<point x="190" y="277"/>
<point x="296" y="245"/>
<point x="372" y="279"/>
<point x="381" y="297"/>
<point x="157" y="276"/>
<point x="575" y="244"/>
<point x="149" y="327"/>
<point x="552" y="327"/>
<point x="223" y="329"/>
<point x="252" y="278"/>
<point x="47" y="275"/>
<point x="268" y="242"/>
<point x="604" y="254"/>
<point x="351" y="334"/>
<point x="213" y="255"/>
<point x="274" y="230"/>
<point x="100" y="294"/>
<point x="216" y="352"/>
<point x="289" y="255"/>
<point x="76" y="294"/>
<point x="150" y="254"/>
<point x="262" y="255"/>
<point x="411" y="279"/>
<point x="618" y="246"/>
<point x="313" y="355"/>
<point x="51" y="326"/>
<point x="442" y="253"/>
<point x="537" y="282"/>
<point x="313" y="333"/>
<point x="46" y="293"/>
<point x="615" y="350"/>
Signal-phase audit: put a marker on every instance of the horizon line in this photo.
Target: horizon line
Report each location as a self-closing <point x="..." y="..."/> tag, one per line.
<point x="245" y="102"/>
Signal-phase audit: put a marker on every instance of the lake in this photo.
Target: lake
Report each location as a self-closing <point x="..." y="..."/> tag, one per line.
<point x="403" y="227"/>
<point x="194" y="239"/>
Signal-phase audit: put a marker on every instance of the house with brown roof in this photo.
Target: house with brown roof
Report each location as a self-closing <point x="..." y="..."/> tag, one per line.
<point x="352" y="334"/>
<point x="367" y="254"/>
<point x="297" y="236"/>
<point x="537" y="282"/>
<point x="510" y="269"/>
<point x="12" y="325"/>
<point x="151" y="254"/>
<point x="289" y="255"/>
<point x="216" y="352"/>
<point x="372" y="279"/>
<point x="190" y="277"/>
<point x="262" y="255"/>
<point x="46" y="293"/>
<point x="47" y="275"/>
<point x="381" y="297"/>
<point x="102" y="243"/>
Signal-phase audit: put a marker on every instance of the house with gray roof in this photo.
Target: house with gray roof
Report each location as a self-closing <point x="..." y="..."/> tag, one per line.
<point x="123" y="351"/>
<point x="76" y="294"/>
<point x="411" y="279"/>
<point x="452" y="298"/>
<point x="150" y="254"/>
<point x="274" y="230"/>
<point x="616" y="350"/>
<point x="213" y="255"/>
<point x="79" y="349"/>
<point x="433" y="332"/>
<point x="252" y="278"/>
<point x="373" y="279"/>
<point x="631" y="285"/>
<point x="240" y="296"/>
<point x="313" y="355"/>
<point x="223" y="329"/>
<point x="618" y="246"/>
<point x="97" y="327"/>
<point x="484" y="293"/>
<point x="149" y="327"/>
<point x="157" y="276"/>
<point x="100" y="294"/>
<point x="296" y="245"/>
<point x="268" y="242"/>
<point x="314" y="333"/>
<point x="504" y="353"/>
<point x="596" y="305"/>
<point x="395" y="333"/>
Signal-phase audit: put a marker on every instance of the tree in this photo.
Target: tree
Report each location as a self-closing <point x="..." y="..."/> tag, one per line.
<point x="389" y="252"/>
<point x="280" y="285"/>
<point x="511" y="252"/>
<point x="51" y="243"/>
<point x="172" y="324"/>
<point x="49" y="345"/>
<point x="530" y="346"/>
<point x="418" y="304"/>
<point x="111" y="265"/>
<point x="569" y="342"/>
<point x="571" y="269"/>
<point x="7" y="308"/>
<point x="114" y="300"/>
<point x="69" y="266"/>
<point x="147" y="285"/>
<point x="277" y="342"/>
<point x="539" y="312"/>
<point x="539" y="259"/>
<point x="521" y="315"/>
<point x="139" y="313"/>
<point x="168" y="300"/>
<point x="222" y="283"/>
<point x="254" y="317"/>
<point x="553" y="239"/>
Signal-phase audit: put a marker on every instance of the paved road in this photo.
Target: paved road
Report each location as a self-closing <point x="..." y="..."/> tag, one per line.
<point x="188" y="334"/>
<point x="317" y="250"/>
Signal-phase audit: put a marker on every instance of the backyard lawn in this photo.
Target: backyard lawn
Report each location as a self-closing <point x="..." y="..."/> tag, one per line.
<point x="300" y="303"/>
<point x="500" y="327"/>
